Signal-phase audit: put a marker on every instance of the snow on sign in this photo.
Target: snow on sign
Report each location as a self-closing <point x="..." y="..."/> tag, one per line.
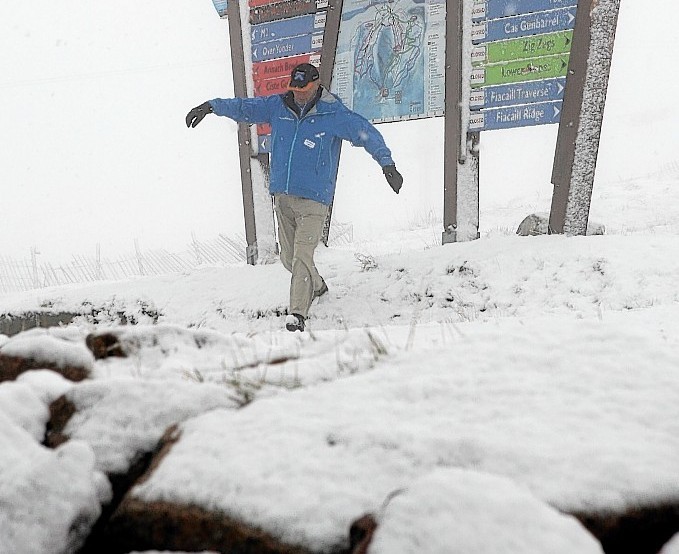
<point x="495" y="9"/>
<point x="291" y="46"/>
<point x="518" y="116"/>
<point x="390" y="58"/>
<point x="286" y="28"/>
<point x="283" y="10"/>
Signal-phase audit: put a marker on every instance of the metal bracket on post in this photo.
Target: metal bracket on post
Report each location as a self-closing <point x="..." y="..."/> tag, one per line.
<point x="577" y="143"/>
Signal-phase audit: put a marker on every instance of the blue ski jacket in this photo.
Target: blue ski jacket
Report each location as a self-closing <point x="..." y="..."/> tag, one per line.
<point x="305" y="145"/>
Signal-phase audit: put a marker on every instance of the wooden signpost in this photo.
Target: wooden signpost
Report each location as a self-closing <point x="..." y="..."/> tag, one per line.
<point x="508" y="64"/>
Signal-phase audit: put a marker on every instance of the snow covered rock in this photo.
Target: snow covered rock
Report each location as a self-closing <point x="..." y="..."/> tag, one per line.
<point x="538" y="224"/>
<point x="59" y="350"/>
<point x="672" y="547"/>
<point x="20" y="404"/>
<point x="488" y="514"/>
<point x="124" y="419"/>
<point x="253" y="366"/>
<point x="49" y="499"/>
<point x="577" y="422"/>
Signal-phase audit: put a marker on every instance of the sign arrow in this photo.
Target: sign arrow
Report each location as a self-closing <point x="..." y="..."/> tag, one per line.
<point x="516" y="116"/>
<point x="534" y="69"/>
<point x="523" y="48"/>
<point x="532" y="24"/>
<point x="529" y="92"/>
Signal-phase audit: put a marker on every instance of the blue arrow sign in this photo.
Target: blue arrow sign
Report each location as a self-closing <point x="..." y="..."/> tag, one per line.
<point x="286" y="28"/>
<point x="519" y="116"/>
<point x="264" y="143"/>
<point x="282" y="48"/>
<point x="494" y="9"/>
<point x="524" y="25"/>
<point x="548" y="90"/>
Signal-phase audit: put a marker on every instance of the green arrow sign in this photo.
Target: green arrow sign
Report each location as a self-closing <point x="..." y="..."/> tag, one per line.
<point x="534" y="69"/>
<point x="523" y="48"/>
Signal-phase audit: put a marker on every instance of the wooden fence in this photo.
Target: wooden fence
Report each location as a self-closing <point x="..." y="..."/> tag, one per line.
<point x="20" y="275"/>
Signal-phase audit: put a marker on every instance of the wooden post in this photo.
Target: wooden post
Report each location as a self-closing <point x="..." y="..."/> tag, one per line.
<point x="577" y="144"/>
<point x="330" y="37"/>
<point x="461" y="158"/>
<point x="244" y="133"/>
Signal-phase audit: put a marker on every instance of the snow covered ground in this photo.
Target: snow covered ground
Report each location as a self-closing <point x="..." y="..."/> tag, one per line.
<point x="495" y="384"/>
<point x="467" y="395"/>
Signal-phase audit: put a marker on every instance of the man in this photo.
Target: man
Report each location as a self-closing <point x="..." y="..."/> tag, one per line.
<point x="308" y="124"/>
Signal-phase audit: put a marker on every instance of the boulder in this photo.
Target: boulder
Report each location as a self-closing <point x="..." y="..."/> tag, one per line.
<point x="538" y="224"/>
<point x="42" y="349"/>
<point x="138" y="524"/>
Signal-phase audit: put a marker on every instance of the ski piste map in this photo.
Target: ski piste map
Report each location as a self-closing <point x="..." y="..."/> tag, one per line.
<point x="390" y="58"/>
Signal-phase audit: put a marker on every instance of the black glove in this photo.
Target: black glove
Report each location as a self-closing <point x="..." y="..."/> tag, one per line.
<point x="196" y="115"/>
<point x="394" y="178"/>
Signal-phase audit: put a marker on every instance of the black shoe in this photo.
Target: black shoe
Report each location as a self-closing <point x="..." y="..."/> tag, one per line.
<point x="294" y="322"/>
<point x="320" y="292"/>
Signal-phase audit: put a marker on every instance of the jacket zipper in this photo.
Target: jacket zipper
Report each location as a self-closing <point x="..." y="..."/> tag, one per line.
<point x="292" y="149"/>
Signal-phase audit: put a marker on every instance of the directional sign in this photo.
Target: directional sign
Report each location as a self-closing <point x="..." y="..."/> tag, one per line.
<point x="282" y="66"/>
<point x="285" y="28"/>
<point x="494" y="9"/>
<point x="524" y="25"/>
<point x="257" y="3"/>
<point x="519" y="116"/>
<point x="267" y="87"/>
<point x="286" y="47"/>
<point x="535" y="69"/>
<point x="522" y="48"/>
<point x="281" y="10"/>
<point x="520" y="93"/>
<point x="220" y="6"/>
<point x="264" y="142"/>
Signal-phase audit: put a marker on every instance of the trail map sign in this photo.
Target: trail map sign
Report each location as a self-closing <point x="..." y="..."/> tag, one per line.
<point x="390" y="58"/>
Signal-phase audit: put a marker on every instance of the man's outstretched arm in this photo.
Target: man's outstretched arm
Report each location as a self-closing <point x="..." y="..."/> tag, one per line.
<point x="243" y="110"/>
<point x="362" y="133"/>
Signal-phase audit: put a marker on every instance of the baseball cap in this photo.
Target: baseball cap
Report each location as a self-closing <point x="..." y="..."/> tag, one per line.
<point x="302" y="77"/>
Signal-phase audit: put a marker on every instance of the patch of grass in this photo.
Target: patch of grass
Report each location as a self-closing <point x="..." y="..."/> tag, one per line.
<point x="366" y="261"/>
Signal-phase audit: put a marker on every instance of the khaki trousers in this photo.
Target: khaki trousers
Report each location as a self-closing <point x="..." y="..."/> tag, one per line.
<point x="300" y="226"/>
